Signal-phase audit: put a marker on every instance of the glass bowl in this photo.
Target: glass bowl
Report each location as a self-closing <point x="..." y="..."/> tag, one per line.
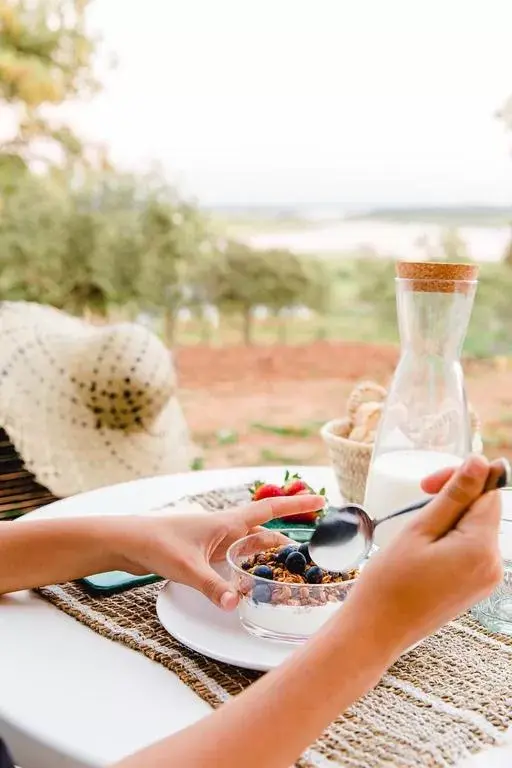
<point x="276" y="610"/>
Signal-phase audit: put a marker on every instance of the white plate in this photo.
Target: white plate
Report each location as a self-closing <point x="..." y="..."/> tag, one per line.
<point x="199" y="625"/>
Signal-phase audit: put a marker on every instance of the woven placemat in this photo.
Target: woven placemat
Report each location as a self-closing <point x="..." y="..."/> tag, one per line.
<point x="445" y="700"/>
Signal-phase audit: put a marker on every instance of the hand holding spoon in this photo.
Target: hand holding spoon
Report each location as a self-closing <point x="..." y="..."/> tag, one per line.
<point x="344" y="537"/>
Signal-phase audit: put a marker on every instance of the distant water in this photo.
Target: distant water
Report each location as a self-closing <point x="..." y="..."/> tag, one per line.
<point x="485" y="244"/>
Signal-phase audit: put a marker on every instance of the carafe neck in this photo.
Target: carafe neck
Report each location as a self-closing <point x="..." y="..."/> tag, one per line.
<point x="433" y="323"/>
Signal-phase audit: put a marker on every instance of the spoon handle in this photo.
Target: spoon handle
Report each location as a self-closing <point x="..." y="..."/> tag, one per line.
<point x="495" y="480"/>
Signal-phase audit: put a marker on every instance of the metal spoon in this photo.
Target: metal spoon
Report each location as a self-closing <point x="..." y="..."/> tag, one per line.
<point x="344" y="537"/>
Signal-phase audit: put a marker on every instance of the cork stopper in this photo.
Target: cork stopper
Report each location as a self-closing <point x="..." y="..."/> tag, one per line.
<point x="437" y="277"/>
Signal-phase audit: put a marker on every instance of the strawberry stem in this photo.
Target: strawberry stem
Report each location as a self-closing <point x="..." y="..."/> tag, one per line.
<point x="254" y="488"/>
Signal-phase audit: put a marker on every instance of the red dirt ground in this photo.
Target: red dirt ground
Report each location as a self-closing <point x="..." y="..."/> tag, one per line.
<point x="235" y="396"/>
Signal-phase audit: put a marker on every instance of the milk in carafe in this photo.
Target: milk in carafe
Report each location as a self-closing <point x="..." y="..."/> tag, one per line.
<point x="395" y="482"/>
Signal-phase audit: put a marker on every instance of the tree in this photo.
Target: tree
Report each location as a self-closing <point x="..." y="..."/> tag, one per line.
<point x="376" y="292"/>
<point x="450" y="246"/>
<point x="490" y="330"/>
<point x="33" y="227"/>
<point x="240" y="279"/>
<point x="112" y="240"/>
<point x="46" y="58"/>
<point x="453" y="247"/>
<point x="174" y="236"/>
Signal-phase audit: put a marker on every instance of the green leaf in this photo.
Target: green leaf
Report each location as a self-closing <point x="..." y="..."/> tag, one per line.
<point x="254" y="487"/>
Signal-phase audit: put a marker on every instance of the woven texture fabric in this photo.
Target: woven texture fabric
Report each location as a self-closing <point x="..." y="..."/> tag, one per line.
<point x="19" y="490"/>
<point x="448" y="698"/>
<point x="350" y="460"/>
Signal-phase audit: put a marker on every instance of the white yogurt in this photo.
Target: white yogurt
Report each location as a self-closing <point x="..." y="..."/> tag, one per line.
<point x="283" y="620"/>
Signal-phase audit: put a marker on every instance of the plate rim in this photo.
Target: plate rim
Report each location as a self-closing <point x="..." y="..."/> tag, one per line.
<point x="289" y="648"/>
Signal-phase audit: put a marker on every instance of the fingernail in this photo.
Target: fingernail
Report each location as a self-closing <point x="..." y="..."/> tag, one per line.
<point x="475" y="466"/>
<point x="228" y="601"/>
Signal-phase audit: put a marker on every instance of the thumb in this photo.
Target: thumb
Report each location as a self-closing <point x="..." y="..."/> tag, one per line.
<point x="462" y="489"/>
<point x="215" y="588"/>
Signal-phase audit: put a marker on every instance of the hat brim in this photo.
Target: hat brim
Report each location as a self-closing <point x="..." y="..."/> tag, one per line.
<point x="68" y="462"/>
<point x="51" y="426"/>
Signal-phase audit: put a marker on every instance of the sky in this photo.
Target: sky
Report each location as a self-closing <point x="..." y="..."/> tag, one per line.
<point x="310" y="101"/>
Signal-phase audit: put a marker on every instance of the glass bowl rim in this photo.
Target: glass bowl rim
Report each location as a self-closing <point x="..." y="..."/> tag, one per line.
<point x="240" y="571"/>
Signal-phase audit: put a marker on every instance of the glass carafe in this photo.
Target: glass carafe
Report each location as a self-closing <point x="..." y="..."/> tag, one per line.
<point x="425" y="425"/>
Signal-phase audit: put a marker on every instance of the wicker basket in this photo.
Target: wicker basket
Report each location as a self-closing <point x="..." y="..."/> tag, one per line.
<point x="351" y="459"/>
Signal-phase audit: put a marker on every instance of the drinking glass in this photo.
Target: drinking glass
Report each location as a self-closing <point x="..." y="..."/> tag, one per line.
<point x="495" y="612"/>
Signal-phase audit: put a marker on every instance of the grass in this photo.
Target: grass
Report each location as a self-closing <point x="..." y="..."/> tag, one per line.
<point x="221" y="437"/>
<point x="349" y="325"/>
<point x="295" y="432"/>
<point x="267" y="456"/>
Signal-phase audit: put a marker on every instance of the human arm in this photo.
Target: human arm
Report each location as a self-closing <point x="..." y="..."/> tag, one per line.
<point x="179" y="546"/>
<point x="444" y="561"/>
<point x="39" y="552"/>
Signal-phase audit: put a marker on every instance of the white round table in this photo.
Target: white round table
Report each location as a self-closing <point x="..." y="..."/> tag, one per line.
<point x="72" y="699"/>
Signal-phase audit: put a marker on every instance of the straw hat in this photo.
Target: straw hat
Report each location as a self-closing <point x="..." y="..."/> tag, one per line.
<point x="88" y="406"/>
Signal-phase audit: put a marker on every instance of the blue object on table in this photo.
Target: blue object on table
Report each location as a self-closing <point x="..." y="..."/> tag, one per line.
<point x="116" y="581"/>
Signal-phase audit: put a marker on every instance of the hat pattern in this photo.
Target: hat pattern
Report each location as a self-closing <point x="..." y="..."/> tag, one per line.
<point x="88" y="406"/>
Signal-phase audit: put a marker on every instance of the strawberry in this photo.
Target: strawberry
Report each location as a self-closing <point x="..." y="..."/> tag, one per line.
<point x="293" y="485"/>
<point x="304" y="517"/>
<point x="296" y="486"/>
<point x="265" y="491"/>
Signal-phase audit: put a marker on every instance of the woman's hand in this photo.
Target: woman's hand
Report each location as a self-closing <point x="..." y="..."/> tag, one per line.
<point x="181" y="547"/>
<point x="444" y="561"/>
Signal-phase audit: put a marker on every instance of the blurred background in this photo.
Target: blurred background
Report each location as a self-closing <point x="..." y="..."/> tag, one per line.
<point x="239" y="175"/>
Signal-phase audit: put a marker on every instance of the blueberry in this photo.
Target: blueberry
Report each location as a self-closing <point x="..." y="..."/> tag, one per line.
<point x="246" y="565"/>
<point x="262" y="593"/>
<point x="283" y="553"/>
<point x="304" y="550"/>
<point x="314" y="575"/>
<point x="264" y="572"/>
<point x="296" y="563"/>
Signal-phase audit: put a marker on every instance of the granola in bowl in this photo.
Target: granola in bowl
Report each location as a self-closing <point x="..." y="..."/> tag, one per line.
<point x="283" y="594"/>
